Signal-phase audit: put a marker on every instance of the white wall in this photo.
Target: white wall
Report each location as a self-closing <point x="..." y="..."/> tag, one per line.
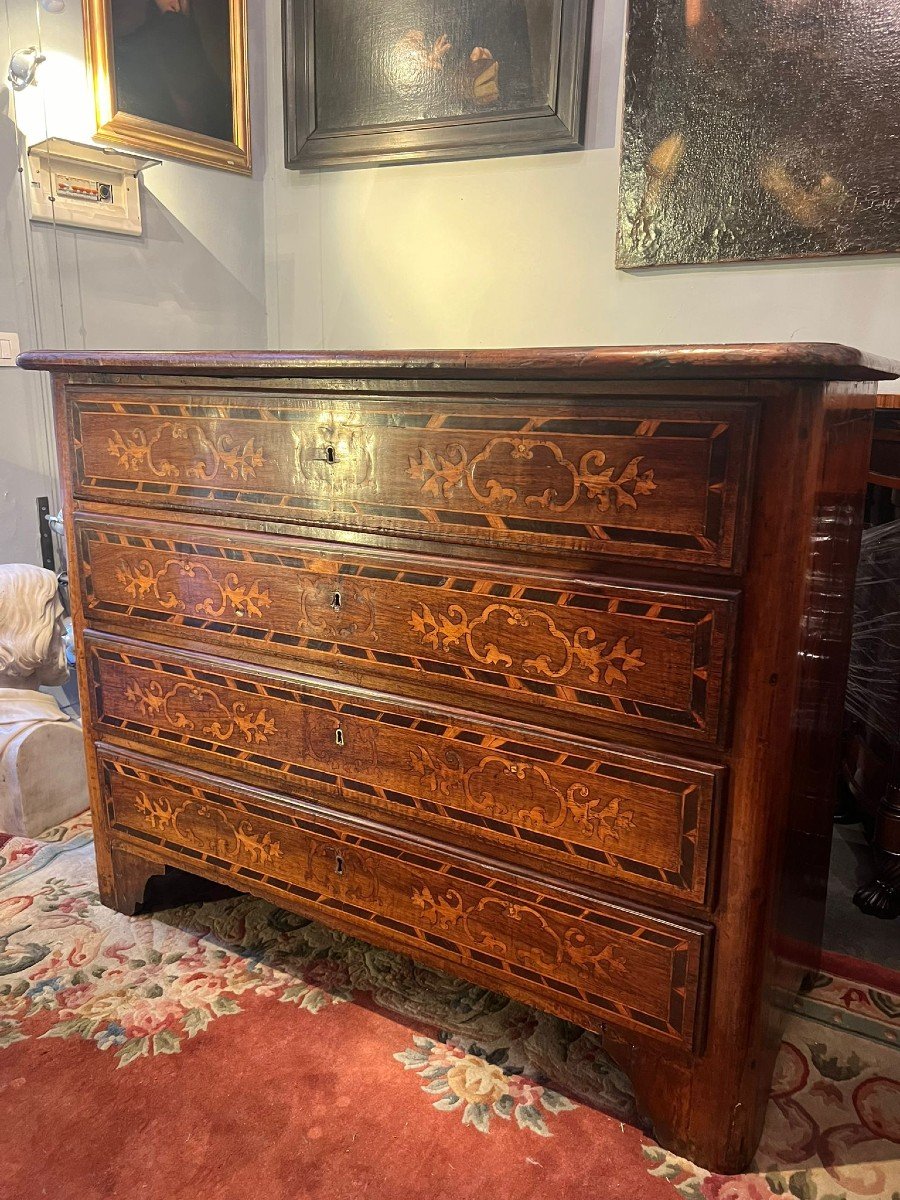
<point x="196" y="279"/>
<point x="500" y="252"/>
<point x="511" y="252"/>
<point x="25" y="451"/>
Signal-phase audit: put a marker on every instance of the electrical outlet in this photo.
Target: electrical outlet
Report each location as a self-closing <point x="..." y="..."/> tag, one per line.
<point x="9" y="349"/>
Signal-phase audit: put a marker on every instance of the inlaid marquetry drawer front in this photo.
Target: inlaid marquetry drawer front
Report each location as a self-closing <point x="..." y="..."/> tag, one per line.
<point x="636" y="657"/>
<point x="590" y="960"/>
<point x="662" y="481"/>
<point x="598" y="812"/>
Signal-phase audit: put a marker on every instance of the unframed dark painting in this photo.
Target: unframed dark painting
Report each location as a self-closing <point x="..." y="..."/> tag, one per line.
<point x="403" y="79"/>
<point x="760" y="130"/>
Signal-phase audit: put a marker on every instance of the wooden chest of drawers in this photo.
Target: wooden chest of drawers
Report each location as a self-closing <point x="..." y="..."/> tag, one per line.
<point x="527" y="664"/>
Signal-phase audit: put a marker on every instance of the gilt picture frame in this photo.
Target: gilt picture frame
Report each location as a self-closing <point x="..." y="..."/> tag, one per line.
<point x="398" y="81"/>
<point x="170" y="77"/>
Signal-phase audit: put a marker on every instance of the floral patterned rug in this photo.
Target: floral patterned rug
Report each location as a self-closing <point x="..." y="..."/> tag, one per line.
<point x="233" y="1051"/>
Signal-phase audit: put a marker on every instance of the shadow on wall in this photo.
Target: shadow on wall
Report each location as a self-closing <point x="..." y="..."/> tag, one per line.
<point x="162" y="291"/>
<point x="9" y="193"/>
<point x="25" y="455"/>
<point x="20" y="487"/>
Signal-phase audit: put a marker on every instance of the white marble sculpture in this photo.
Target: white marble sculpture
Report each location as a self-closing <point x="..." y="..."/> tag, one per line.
<point x="42" y="774"/>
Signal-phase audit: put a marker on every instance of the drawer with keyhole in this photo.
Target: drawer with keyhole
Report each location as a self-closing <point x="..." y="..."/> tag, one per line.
<point x="591" y="960"/>
<point x="605" y="813"/>
<point x="627" y="478"/>
<point x="635" y="657"/>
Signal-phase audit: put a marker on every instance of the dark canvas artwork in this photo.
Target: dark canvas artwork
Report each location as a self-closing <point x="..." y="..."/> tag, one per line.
<point x="418" y="60"/>
<point x="172" y="63"/>
<point x="760" y="130"/>
<point x="415" y="80"/>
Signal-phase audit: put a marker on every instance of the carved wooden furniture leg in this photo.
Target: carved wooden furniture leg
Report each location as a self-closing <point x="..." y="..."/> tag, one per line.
<point x="138" y="885"/>
<point x="881" y="897"/>
<point x="677" y="1098"/>
<point x="125" y="886"/>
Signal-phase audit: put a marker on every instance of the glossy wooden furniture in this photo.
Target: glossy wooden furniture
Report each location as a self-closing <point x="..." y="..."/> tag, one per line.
<point x="527" y="663"/>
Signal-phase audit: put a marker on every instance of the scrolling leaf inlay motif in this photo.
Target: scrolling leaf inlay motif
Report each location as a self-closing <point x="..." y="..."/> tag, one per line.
<point x="153" y="702"/>
<point x="441" y="631"/>
<point x="226" y="838"/>
<point x="611" y="487"/>
<point x="139" y="580"/>
<point x="135" y="450"/>
<point x="490" y="787"/>
<point x="541" y="948"/>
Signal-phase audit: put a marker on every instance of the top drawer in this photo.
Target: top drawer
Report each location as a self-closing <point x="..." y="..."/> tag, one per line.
<point x="662" y="481"/>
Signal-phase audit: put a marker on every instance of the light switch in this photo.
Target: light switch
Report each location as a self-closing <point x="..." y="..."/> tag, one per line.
<point x="9" y="349"/>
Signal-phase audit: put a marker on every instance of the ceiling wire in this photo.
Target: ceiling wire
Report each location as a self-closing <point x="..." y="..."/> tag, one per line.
<point x="59" y="284"/>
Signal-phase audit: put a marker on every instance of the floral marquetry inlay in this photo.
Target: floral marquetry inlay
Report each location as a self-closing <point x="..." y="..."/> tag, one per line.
<point x="535" y="943"/>
<point x="524" y="792"/>
<point x="563" y="651"/>
<point x="208" y="828"/>
<point x="201" y="459"/>
<point x="205" y="709"/>
<point x="177" y="576"/>
<point x="495" y="476"/>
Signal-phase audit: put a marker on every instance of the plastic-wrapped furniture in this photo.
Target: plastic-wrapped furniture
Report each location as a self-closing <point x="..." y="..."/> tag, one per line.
<point x="872" y="747"/>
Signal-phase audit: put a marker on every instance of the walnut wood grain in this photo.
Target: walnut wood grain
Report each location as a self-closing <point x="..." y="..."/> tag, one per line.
<point x="618" y="656"/>
<point x="788" y="360"/>
<point x="604" y="960"/>
<point x="630" y="480"/>
<point x="785" y="520"/>
<point x="644" y="820"/>
<point x="125" y="889"/>
<point x="791" y="671"/>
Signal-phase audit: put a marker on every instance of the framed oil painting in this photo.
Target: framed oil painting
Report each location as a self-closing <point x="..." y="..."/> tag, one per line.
<point x="760" y="130"/>
<point x="389" y="81"/>
<point x="170" y="78"/>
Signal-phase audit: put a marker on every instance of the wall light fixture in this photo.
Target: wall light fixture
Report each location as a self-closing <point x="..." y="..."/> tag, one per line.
<point x="23" y="67"/>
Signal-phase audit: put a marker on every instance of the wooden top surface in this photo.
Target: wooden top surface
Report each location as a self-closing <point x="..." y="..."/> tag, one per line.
<point x="792" y="360"/>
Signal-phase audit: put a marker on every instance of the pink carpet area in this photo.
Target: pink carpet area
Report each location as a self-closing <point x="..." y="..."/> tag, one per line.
<point x="233" y="1051"/>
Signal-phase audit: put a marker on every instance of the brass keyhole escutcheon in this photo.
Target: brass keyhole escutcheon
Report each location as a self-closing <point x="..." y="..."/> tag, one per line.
<point x="336" y="602"/>
<point x="338" y="865"/>
<point x="339" y="737"/>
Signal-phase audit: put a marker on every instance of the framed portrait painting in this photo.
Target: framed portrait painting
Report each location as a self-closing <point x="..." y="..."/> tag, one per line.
<point x="763" y="130"/>
<point x="390" y="81"/>
<point x="170" y="78"/>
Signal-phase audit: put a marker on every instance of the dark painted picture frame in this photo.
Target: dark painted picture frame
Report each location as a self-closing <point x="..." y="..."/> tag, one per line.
<point x="477" y="130"/>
